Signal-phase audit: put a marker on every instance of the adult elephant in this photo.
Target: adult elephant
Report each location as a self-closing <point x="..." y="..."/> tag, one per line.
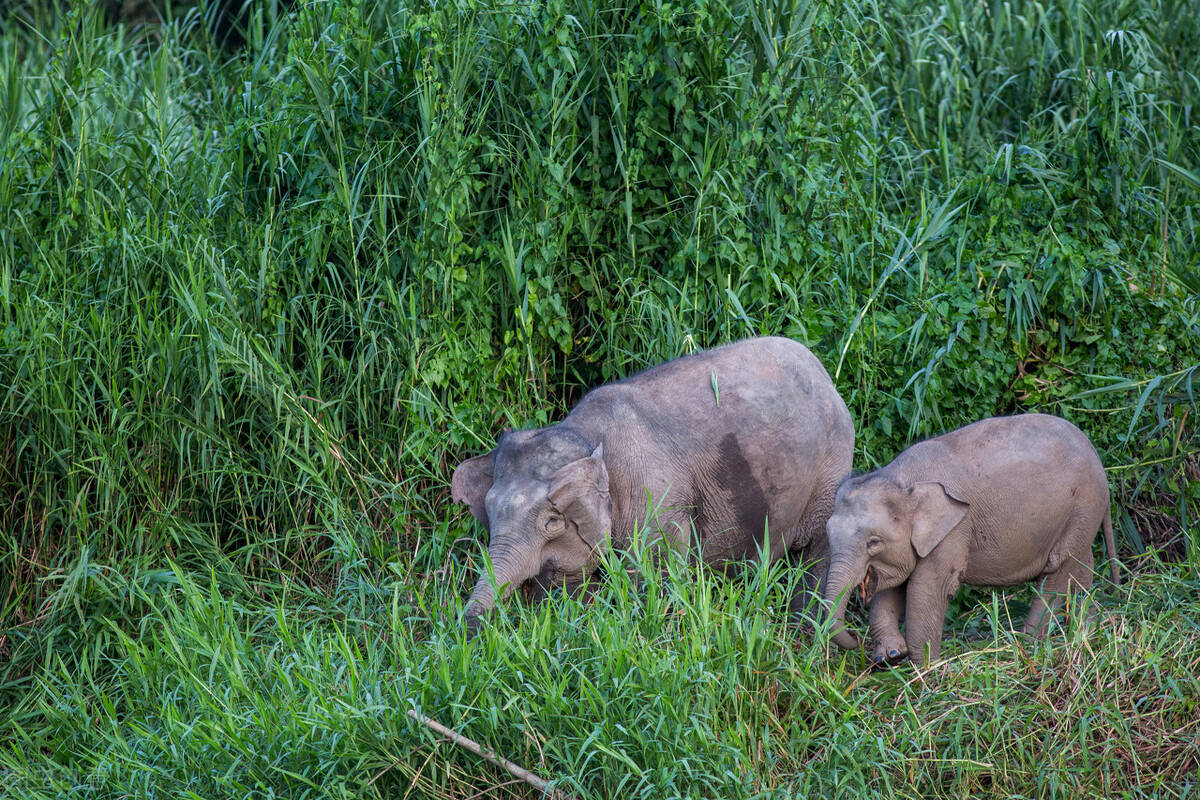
<point x="726" y="444"/>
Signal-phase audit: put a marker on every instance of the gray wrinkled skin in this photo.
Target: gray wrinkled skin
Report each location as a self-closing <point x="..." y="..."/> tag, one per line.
<point x="770" y="444"/>
<point x="996" y="503"/>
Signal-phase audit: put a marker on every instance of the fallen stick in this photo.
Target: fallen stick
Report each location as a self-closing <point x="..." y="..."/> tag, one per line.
<point x="490" y="755"/>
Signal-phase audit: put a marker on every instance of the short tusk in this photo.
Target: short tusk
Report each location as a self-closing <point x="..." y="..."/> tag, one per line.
<point x="862" y="587"/>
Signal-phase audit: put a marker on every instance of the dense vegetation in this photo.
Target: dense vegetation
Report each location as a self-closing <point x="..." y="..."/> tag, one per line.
<point x="256" y="303"/>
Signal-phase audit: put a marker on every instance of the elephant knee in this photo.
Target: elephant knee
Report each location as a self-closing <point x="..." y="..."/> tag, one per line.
<point x="1054" y="561"/>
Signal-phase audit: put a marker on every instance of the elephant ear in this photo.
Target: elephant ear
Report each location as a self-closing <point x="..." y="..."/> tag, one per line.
<point x="470" y="483"/>
<point x="935" y="513"/>
<point x="579" y="491"/>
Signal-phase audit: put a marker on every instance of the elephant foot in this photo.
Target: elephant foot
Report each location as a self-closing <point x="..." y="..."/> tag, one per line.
<point x="889" y="652"/>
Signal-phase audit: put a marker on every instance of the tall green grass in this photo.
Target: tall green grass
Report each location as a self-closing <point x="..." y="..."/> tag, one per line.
<point x="255" y="305"/>
<point x="685" y="686"/>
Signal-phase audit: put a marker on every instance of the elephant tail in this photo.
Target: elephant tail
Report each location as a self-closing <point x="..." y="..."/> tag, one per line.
<point x="1110" y="546"/>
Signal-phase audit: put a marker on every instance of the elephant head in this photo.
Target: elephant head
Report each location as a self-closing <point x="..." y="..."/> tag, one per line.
<point x="877" y="532"/>
<point x="543" y="497"/>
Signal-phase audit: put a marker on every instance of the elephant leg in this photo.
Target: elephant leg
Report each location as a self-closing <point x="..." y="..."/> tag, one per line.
<point x="812" y="561"/>
<point x="809" y="547"/>
<point x="887" y="609"/>
<point x="1074" y="574"/>
<point x="930" y="588"/>
<point x="676" y="527"/>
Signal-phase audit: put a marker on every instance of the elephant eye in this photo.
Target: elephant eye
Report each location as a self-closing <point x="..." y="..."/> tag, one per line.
<point x="873" y="542"/>
<point x="555" y="524"/>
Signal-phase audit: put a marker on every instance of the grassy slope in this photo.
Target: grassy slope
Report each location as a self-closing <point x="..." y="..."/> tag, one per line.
<point x="253" y="309"/>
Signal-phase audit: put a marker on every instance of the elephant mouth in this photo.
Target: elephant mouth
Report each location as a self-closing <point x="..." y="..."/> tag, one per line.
<point x="538" y="587"/>
<point x="533" y="590"/>
<point x="870" y="583"/>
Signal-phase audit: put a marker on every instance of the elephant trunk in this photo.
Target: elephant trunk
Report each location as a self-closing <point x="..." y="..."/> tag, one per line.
<point x="508" y="576"/>
<point x="838" y="587"/>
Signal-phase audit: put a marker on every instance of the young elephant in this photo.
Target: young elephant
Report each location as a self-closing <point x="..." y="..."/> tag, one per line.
<point x="995" y="503"/>
<point x="735" y="439"/>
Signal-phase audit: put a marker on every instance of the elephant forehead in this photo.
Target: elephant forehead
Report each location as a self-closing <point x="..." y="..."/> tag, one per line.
<point x="538" y="454"/>
<point x="872" y="495"/>
<point x="514" y="498"/>
<point x="852" y="504"/>
<point x="853" y="521"/>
